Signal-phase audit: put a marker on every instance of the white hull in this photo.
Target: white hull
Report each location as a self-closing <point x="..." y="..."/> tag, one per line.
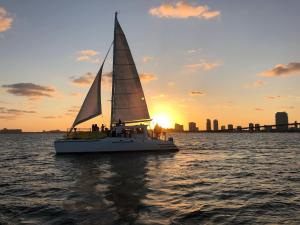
<point x="113" y="144"/>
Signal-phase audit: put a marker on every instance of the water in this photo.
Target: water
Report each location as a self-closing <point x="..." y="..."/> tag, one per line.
<point x="214" y="179"/>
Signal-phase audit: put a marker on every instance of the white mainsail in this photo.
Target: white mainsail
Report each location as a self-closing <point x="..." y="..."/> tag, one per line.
<point x="128" y="100"/>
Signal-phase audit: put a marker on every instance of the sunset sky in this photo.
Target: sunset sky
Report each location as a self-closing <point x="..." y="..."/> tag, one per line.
<point x="235" y="61"/>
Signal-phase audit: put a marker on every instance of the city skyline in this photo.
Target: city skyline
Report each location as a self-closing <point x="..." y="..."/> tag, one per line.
<point x="220" y="62"/>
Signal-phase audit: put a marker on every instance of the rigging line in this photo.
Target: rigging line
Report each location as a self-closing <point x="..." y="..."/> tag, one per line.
<point x="108" y="51"/>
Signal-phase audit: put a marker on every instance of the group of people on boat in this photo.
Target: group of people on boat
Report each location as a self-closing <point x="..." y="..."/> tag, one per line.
<point x="121" y="131"/>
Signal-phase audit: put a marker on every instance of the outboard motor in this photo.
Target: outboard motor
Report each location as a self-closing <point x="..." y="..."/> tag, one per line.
<point x="170" y="139"/>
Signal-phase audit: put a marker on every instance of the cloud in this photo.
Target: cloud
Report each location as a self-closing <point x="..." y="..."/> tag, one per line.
<point x="51" y="117"/>
<point x="48" y="117"/>
<point x="10" y="114"/>
<point x="84" y="80"/>
<point x="273" y="97"/>
<point x="171" y="84"/>
<point x="88" y="52"/>
<point x="288" y="107"/>
<point x="88" y="55"/>
<point x="196" y="93"/>
<point x="76" y="94"/>
<point x="255" y="84"/>
<point x="282" y="70"/>
<point x="159" y="96"/>
<point x="73" y="110"/>
<point x="203" y="65"/>
<point x="5" y="20"/>
<point x="183" y="10"/>
<point x="147" y="59"/>
<point x="191" y="51"/>
<point x="29" y="90"/>
<point x="146" y="77"/>
<point x="258" y="109"/>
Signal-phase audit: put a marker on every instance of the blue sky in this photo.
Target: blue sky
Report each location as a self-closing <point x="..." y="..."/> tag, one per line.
<point x="218" y="59"/>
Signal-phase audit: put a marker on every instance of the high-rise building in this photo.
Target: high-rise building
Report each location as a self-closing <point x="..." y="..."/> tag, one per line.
<point x="208" y="125"/>
<point x="178" y="127"/>
<point x="216" y="125"/>
<point x="281" y="119"/>
<point x="239" y="128"/>
<point x="193" y="127"/>
<point x="230" y="127"/>
<point x="257" y="127"/>
<point x="251" y="126"/>
<point x="223" y="127"/>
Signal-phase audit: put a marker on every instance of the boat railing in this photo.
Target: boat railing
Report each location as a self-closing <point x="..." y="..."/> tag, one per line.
<point x="79" y="130"/>
<point x="162" y="136"/>
<point x="85" y="133"/>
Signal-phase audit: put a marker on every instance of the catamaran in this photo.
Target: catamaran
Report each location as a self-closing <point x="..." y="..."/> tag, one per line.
<point x="129" y="111"/>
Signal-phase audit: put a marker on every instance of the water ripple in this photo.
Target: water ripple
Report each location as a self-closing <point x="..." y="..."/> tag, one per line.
<point x="214" y="179"/>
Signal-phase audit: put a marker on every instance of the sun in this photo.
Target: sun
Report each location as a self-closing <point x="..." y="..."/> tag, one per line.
<point x="162" y="120"/>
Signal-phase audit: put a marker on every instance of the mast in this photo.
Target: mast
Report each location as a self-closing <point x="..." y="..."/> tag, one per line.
<point x="113" y="72"/>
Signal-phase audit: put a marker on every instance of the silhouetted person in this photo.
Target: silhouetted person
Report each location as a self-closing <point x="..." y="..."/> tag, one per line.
<point x="120" y="122"/>
<point x="157" y="130"/>
<point x="96" y="128"/>
<point x="102" y="128"/>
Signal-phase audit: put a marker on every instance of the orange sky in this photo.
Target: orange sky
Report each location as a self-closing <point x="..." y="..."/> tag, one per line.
<point x="195" y="61"/>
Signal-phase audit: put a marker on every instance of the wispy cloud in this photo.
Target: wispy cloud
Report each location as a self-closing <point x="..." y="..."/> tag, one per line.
<point x="51" y="117"/>
<point x="88" y="55"/>
<point x="255" y="84"/>
<point x="84" y="80"/>
<point x="282" y="70"/>
<point x="76" y="94"/>
<point x="146" y="77"/>
<point x="72" y="110"/>
<point x="159" y="96"/>
<point x="5" y="20"/>
<point x="171" y="84"/>
<point x="88" y="52"/>
<point x="10" y="114"/>
<point x="147" y="59"/>
<point x="203" y="65"/>
<point x="288" y="107"/>
<point x="191" y="51"/>
<point x="34" y="91"/>
<point x="272" y="97"/>
<point x="183" y="10"/>
<point x="196" y="93"/>
<point x="258" y="109"/>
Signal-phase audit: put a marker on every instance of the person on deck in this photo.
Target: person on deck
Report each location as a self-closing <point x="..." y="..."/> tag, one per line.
<point x="157" y="131"/>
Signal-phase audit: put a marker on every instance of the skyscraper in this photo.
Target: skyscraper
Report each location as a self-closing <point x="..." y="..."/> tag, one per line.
<point x="192" y="127"/>
<point x="251" y="127"/>
<point x="178" y="127"/>
<point x="216" y="125"/>
<point x="208" y="125"/>
<point x="281" y="119"/>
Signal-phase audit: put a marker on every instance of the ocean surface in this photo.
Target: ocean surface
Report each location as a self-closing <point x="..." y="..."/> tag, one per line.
<point x="214" y="179"/>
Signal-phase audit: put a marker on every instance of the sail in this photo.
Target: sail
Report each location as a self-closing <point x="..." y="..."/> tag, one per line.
<point x="128" y="100"/>
<point x="91" y="106"/>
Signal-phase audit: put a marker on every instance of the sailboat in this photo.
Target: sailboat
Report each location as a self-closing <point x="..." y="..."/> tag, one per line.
<point x="129" y="111"/>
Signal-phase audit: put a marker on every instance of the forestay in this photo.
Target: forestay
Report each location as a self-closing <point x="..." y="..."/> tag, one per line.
<point x="128" y="100"/>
